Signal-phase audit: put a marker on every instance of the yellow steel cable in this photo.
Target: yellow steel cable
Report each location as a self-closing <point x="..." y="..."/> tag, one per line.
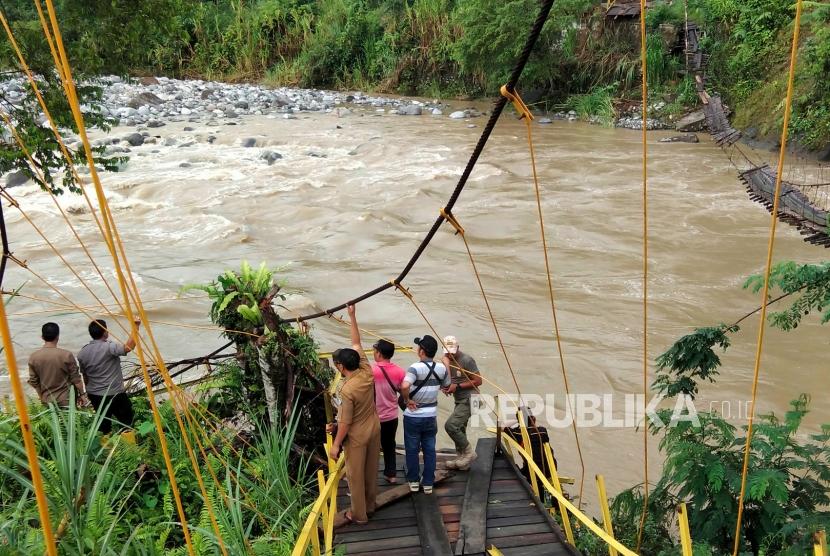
<point x="32" y="83"/>
<point x="520" y="106"/>
<point x="782" y="154"/>
<point x="63" y="308"/>
<point x="52" y="247"/>
<point x="102" y="203"/>
<point x="451" y="218"/>
<point x="644" y="63"/>
<point x="464" y="371"/>
<point x="41" y="177"/>
<point x="26" y="432"/>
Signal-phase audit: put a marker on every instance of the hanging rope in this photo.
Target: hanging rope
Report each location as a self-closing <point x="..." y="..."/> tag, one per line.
<point x="782" y="154"/>
<point x="644" y="62"/>
<point x="525" y="115"/>
<point x="460" y="231"/>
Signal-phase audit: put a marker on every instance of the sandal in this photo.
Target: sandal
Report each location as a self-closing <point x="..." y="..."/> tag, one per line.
<point x="349" y="519"/>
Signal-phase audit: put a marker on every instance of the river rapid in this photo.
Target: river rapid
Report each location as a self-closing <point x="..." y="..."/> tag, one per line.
<point x="352" y="196"/>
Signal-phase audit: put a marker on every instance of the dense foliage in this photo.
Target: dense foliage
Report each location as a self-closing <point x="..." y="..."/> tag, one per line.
<point x="449" y="47"/>
<point x="788" y="484"/>
<point x="113" y="498"/>
<point x="277" y="365"/>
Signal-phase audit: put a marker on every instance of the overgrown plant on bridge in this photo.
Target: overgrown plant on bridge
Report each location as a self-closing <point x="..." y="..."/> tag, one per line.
<point x="276" y="367"/>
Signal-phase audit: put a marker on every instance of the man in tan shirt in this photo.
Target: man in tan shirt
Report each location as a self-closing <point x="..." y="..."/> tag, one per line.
<point x="358" y="426"/>
<point x="52" y="370"/>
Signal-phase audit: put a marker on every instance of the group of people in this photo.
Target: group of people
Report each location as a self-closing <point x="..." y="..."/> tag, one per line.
<point x="95" y="374"/>
<point x="368" y="401"/>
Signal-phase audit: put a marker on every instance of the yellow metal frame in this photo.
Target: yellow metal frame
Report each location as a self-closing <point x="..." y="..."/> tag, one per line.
<point x="820" y="548"/>
<point x="685" y="534"/>
<point x="606" y="512"/>
<point x="560" y="498"/>
<point x="325" y="508"/>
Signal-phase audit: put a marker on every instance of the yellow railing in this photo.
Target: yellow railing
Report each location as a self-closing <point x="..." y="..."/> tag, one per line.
<point x="325" y="510"/>
<point x="547" y="484"/>
<point x="552" y="485"/>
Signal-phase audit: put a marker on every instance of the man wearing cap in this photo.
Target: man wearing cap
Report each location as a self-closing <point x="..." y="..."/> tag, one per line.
<point x="466" y="378"/>
<point x="419" y="389"/>
<point x="388" y="379"/>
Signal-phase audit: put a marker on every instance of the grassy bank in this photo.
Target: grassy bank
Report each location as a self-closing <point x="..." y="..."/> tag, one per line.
<point x="114" y="497"/>
<point x="454" y="48"/>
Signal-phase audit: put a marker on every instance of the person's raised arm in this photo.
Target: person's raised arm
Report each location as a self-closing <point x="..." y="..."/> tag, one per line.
<point x="354" y="329"/>
<point x="131" y="341"/>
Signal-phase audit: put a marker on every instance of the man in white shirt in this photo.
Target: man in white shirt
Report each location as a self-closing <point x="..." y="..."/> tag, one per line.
<point x="420" y="387"/>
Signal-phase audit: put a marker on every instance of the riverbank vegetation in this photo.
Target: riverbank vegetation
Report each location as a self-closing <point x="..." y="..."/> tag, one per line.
<point x="788" y="480"/>
<point x="451" y="48"/>
<point x="257" y="420"/>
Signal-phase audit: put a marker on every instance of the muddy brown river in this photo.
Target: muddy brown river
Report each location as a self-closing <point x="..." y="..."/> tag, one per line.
<point x="351" y="198"/>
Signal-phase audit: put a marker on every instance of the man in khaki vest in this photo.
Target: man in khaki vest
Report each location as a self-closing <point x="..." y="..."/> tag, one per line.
<point x="358" y="426"/>
<point x="53" y="370"/>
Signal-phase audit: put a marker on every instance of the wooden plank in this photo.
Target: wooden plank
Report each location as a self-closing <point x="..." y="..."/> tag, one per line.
<point x="472" y="536"/>
<point x="505" y="521"/>
<point x="527" y="540"/>
<point x="387" y="497"/>
<point x="517" y="530"/>
<point x="356" y="535"/>
<point x="557" y="535"/>
<point x="434" y="540"/>
<point x="415" y="551"/>
<point x="546" y="549"/>
<point x="382" y="545"/>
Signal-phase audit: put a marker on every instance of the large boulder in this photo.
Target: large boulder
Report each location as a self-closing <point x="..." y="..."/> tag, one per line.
<point x="688" y="138"/>
<point x="694" y="121"/>
<point x="410" y="110"/>
<point x="16" y="178"/>
<point x="143" y="99"/>
<point x="134" y="139"/>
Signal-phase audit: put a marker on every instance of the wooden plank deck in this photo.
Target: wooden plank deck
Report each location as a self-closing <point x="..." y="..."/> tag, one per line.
<point x="497" y="499"/>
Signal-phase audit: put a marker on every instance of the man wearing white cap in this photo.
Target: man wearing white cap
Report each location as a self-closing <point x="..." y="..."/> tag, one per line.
<point x="465" y="379"/>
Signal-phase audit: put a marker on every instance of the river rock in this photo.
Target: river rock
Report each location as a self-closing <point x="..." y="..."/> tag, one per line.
<point x="169" y="141"/>
<point x="185" y="165"/>
<point x="437" y="112"/>
<point x="230" y="113"/>
<point x="155" y="123"/>
<point x="242" y="104"/>
<point x="249" y="142"/>
<point x="134" y="139"/>
<point x="410" y="110"/>
<point x="688" y="138"/>
<point x="270" y="157"/>
<point x="694" y="121"/>
<point x="458" y="115"/>
<point x="147" y="81"/>
<point x="545" y="121"/>
<point x="14" y="179"/>
<point x="145" y="98"/>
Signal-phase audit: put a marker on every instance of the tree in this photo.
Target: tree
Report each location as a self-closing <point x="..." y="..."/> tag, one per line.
<point x="279" y="363"/>
<point x="788" y="484"/>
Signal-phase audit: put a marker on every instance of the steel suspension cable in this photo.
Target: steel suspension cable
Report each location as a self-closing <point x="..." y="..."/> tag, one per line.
<point x="108" y="236"/>
<point x="498" y="108"/>
<point x="782" y="154"/>
<point x="644" y="64"/>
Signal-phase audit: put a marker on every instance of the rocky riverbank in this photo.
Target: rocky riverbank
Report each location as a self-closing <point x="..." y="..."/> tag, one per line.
<point x="153" y="102"/>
